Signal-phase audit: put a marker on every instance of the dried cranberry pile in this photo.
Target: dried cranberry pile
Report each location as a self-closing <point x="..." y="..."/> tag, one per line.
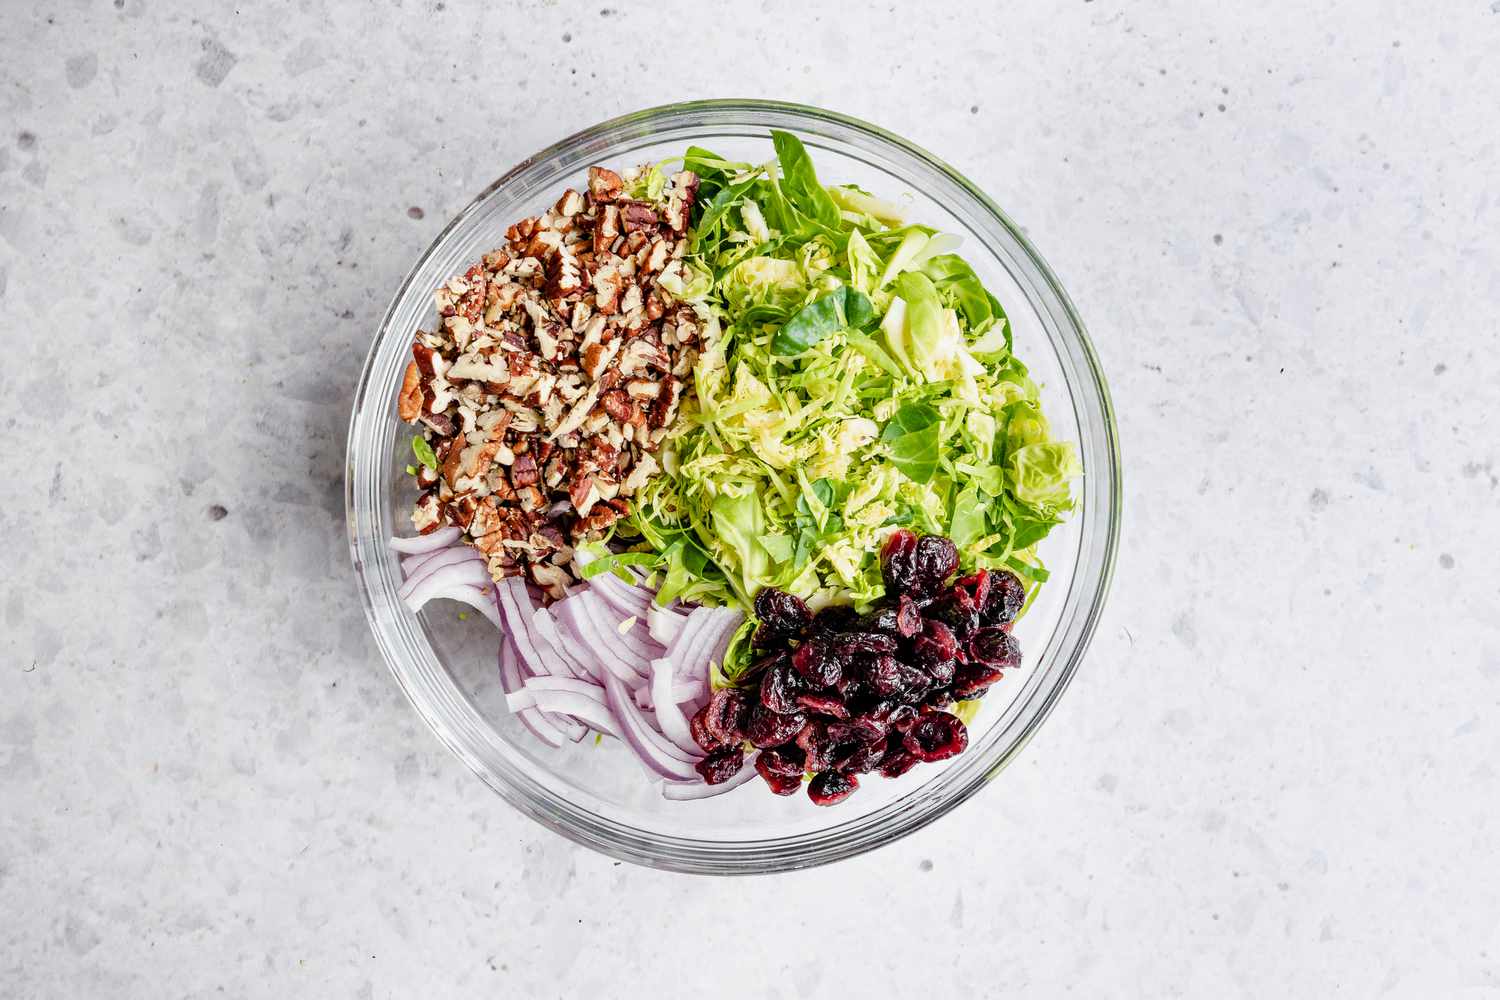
<point x="841" y="695"/>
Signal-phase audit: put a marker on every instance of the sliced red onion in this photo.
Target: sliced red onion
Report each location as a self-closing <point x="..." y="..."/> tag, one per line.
<point x="576" y="615"/>
<point x="479" y="599"/>
<point x="636" y="734"/>
<point x="683" y="791"/>
<point x="574" y="660"/>
<point x="586" y="710"/>
<point x="668" y="716"/>
<point x="536" y="655"/>
<point x="468" y="571"/>
<point x="414" y="566"/>
<point x="628" y="600"/>
<point x="418" y="544"/>
<point x="664" y="624"/>
<point x="525" y="695"/>
<point x="540" y="725"/>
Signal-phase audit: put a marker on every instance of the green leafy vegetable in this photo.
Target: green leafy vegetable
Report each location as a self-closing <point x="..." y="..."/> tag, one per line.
<point x="423" y="451"/>
<point x="855" y="375"/>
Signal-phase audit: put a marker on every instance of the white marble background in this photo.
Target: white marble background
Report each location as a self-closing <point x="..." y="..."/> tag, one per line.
<point x="1276" y="774"/>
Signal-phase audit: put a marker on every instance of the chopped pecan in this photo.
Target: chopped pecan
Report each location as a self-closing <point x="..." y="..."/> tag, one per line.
<point x="523" y="471"/>
<point x="609" y="284"/>
<point x="409" y="402"/>
<point x="604" y="184"/>
<point x="680" y="200"/>
<point x="616" y="404"/>
<point x="427" y="515"/>
<point x="637" y="215"/>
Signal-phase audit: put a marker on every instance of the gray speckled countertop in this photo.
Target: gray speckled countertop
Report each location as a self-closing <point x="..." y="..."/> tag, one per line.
<point x="1276" y="774"/>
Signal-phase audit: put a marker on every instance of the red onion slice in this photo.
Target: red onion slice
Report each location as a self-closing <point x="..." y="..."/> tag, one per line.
<point x="576" y="615"/>
<point x="684" y="791"/>
<point x="673" y="725"/>
<point x="469" y="571"/>
<point x="586" y="710"/>
<point x="536" y="655"/>
<point x="417" y="544"/>
<point x="635" y="732"/>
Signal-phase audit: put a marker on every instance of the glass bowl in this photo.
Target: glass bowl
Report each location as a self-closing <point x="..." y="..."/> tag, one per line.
<point x="597" y="795"/>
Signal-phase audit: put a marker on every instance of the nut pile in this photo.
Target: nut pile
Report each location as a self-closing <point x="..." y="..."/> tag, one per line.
<point x="840" y="695"/>
<point x="556" y="370"/>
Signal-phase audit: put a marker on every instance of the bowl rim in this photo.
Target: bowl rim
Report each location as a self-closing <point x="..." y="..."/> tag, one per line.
<point x="689" y="855"/>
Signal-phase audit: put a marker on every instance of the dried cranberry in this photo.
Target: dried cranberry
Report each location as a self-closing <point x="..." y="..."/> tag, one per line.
<point x="897" y="562"/>
<point x="848" y="643"/>
<point x="974" y="679"/>
<point x="698" y="726"/>
<point x="782" y="616"/>
<point x="937" y="736"/>
<point x="897" y="761"/>
<point x="941" y="698"/>
<point x="831" y="787"/>
<point x="1006" y="597"/>
<point x="941" y="671"/>
<point x="823" y="704"/>
<point x="883" y="620"/>
<point x="835" y="618"/>
<point x="781" y="784"/>
<point x="883" y="674"/>
<point x="908" y="617"/>
<point x="721" y="765"/>
<point x="936" y="643"/>
<point x="887" y="715"/>
<point x="995" y="647"/>
<point x="976" y="585"/>
<point x="786" y="759"/>
<point x="914" y="682"/>
<point x="779" y="687"/>
<point x="725" y="718"/>
<point x="855" y="731"/>
<point x="867" y="758"/>
<point x="817" y="664"/>
<point x="851" y="687"/>
<point x="769" y="729"/>
<point x="955" y="609"/>
<point x="934" y="559"/>
<point x="815" y="745"/>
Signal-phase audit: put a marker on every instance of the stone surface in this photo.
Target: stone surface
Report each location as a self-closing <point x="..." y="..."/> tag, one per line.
<point x="1276" y="774"/>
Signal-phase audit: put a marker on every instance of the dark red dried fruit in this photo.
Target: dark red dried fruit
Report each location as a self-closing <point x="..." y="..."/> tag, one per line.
<point x="721" y="765"/>
<point x="934" y="559"/>
<point x="823" y="704"/>
<point x="1006" y="597"/>
<point x="770" y="729"/>
<point x="782" y="616"/>
<point x="955" y="609"/>
<point x="781" y="784"/>
<point x="941" y="671"/>
<point x="908" y="617"/>
<point x="995" y="647"/>
<point x="864" y="760"/>
<point x="698" y="726"/>
<point x="974" y="679"/>
<point x="887" y="715"/>
<point x="835" y="618"/>
<point x="849" y="643"/>
<point x="883" y="674"/>
<point x="725" y="718"/>
<point x="937" y="736"/>
<point x="830" y="787"/>
<point x="787" y="759"/>
<point x="936" y="643"/>
<point x="896" y="563"/>
<point x="897" y="762"/>
<point x="817" y="664"/>
<point x="816" y="747"/>
<point x="779" y="688"/>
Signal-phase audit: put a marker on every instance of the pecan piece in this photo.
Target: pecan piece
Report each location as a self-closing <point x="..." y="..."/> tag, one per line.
<point x="637" y="216"/>
<point x="409" y="402"/>
<point x="616" y="404"/>
<point x="523" y="471"/>
<point x="604" y="184"/>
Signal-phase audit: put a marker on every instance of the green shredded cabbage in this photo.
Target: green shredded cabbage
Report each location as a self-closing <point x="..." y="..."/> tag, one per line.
<point x="857" y="376"/>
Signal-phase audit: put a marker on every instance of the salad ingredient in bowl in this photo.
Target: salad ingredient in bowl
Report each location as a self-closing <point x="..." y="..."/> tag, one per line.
<point x="744" y="469"/>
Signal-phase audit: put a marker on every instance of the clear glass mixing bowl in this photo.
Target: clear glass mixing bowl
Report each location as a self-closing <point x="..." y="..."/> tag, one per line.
<point x="597" y="794"/>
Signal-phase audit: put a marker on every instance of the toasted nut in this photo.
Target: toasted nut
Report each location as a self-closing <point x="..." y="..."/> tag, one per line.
<point x="604" y="184"/>
<point x="570" y="204"/>
<point x="636" y="216"/>
<point x="409" y="402"/>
